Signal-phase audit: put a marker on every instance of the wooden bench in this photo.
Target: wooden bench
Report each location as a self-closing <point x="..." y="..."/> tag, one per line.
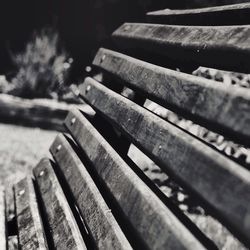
<point x="93" y="195"/>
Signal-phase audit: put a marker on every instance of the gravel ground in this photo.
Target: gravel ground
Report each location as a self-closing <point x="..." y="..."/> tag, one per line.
<point x="20" y="150"/>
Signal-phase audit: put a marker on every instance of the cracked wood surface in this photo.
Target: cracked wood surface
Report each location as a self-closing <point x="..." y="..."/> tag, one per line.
<point x="63" y="228"/>
<point x="223" y="184"/>
<point x="97" y="215"/>
<point x="214" y="105"/>
<point x="222" y="47"/>
<point x="156" y="226"/>
<point x="30" y="228"/>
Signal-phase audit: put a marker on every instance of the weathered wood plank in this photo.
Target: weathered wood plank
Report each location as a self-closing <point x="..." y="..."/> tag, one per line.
<point x="3" y="220"/>
<point x="63" y="228"/>
<point x="30" y="228"/>
<point x="97" y="215"/>
<point x="214" y="105"/>
<point x="225" y="47"/>
<point x="218" y="15"/>
<point x="222" y="183"/>
<point x="151" y="220"/>
<point x="13" y="242"/>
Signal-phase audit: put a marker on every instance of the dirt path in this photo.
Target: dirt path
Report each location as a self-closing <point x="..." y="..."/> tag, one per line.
<point x="20" y="150"/>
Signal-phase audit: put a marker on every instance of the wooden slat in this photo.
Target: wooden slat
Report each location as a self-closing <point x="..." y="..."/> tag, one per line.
<point x="156" y="225"/>
<point x="63" y="228"/>
<point x="98" y="217"/>
<point x="225" y="47"/>
<point x="13" y="242"/>
<point x="3" y="220"/>
<point x="214" y="105"/>
<point x="222" y="183"/>
<point x="219" y="15"/>
<point x="30" y="228"/>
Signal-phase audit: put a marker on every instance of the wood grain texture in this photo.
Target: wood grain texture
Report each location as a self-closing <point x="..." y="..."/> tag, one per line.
<point x="222" y="183"/>
<point x="218" y="15"/>
<point x="30" y="228"/>
<point x="13" y="242"/>
<point x="216" y="106"/>
<point x="225" y="47"/>
<point x="3" y="220"/>
<point x="63" y="228"/>
<point x="97" y="215"/>
<point x="155" y="224"/>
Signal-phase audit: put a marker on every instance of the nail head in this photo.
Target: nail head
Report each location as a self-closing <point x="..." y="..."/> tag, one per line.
<point x="73" y="120"/>
<point x="41" y="173"/>
<point x="58" y="148"/>
<point x="88" y="88"/>
<point x="103" y="58"/>
<point x="21" y="192"/>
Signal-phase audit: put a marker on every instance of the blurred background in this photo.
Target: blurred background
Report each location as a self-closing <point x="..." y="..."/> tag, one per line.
<point x="81" y="24"/>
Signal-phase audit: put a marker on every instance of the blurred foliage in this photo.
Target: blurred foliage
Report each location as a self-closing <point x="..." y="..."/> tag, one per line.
<point x="4" y="84"/>
<point x="42" y="68"/>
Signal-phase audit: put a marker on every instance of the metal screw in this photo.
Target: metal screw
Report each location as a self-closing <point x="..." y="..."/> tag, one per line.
<point x="73" y="120"/>
<point x="88" y="69"/>
<point x="58" y="148"/>
<point x="21" y="192"/>
<point x="41" y="173"/>
<point x="103" y="58"/>
<point x="88" y="88"/>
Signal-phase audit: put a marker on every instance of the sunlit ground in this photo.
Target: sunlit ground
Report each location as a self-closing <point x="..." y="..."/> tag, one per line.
<point x="20" y="150"/>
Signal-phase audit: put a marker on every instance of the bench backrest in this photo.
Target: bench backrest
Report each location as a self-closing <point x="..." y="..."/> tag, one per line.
<point x="235" y="14"/>
<point x="138" y="62"/>
<point x="93" y="195"/>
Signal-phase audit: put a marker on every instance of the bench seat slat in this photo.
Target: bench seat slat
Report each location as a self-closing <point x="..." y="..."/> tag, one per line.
<point x="63" y="228"/>
<point x="218" y="15"/>
<point x="227" y="108"/>
<point x="222" y="183"/>
<point x="3" y="220"/>
<point x="225" y="47"/>
<point x="30" y="228"/>
<point x="155" y="224"/>
<point x="98" y="217"/>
